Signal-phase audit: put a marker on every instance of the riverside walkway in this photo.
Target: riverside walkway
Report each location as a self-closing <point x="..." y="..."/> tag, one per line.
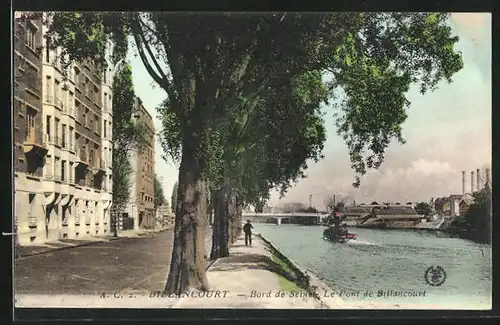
<point x="251" y="277"/>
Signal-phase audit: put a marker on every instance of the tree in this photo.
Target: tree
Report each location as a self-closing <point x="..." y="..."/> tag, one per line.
<point x="478" y="215"/>
<point x="424" y="209"/>
<point x="127" y="136"/>
<point x="173" y="198"/>
<point x="293" y="207"/>
<point x="159" y="195"/>
<point x="209" y="67"/>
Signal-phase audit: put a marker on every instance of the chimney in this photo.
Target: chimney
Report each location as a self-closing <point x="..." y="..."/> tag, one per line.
<point x="472" y="182"/>
<point x="478" y="176"/>
<point x="463" y="182"/>
<point x="488" y="180"/>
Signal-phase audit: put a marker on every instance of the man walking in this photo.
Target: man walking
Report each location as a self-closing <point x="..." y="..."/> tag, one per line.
<point x="247" y="228"/>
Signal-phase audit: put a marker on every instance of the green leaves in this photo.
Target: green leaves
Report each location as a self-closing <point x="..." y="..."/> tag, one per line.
<point x="121" y="178"/>
<point x="158" y="190"/>
<point x="219" y="68"/>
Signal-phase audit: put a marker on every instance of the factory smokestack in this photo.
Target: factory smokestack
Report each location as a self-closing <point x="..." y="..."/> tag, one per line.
<point x="463" y="182"/>
<point x="478" y="182"/>
<point x="472" y="182"/>
<point x="488" y="180"/>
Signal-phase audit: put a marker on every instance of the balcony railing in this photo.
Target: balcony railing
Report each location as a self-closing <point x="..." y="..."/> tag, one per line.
<point x="103" y="164"/>
<point x="82" y="155"/>
<point x="58" y="103"/>
<point x="71" y="147"/>
<point x="77" y="218"/>
<point x="56" y="141"/>
<point x="34" y="136"/>
<point x="87" y="220"/>
<point x="49" y="99"/>
<point x="68" y="110"/>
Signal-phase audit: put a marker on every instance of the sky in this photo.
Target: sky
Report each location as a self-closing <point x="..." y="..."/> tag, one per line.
<point x="447" y="131"/>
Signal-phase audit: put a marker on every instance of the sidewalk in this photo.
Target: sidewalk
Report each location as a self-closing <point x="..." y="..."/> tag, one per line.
<point x="30" y="250"/>
<point x="251" y="277"/>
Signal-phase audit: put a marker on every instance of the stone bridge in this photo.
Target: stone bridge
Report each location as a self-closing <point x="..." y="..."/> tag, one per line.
<point x="303" y="218"/>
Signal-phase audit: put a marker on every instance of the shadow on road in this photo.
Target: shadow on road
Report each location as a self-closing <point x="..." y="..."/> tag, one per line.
<point x="252" y="262"/>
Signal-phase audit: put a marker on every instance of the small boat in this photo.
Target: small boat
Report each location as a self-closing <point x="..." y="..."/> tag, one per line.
<point x="337" y="235"/>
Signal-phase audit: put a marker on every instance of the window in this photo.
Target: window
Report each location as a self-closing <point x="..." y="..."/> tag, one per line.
<point x="105" y="103"/>
<point x="64" y="136"/>
<point x="57" y="164"/>
<point x="65" y="97"/>
<point x="63" y="170"/>
<point x="87" y="86"/>
<point x="56" y="90"/>
<point x="48" y="121"/>
<point x="31" y="36"/>
<point x="104" y="130"/>
<point x="56" y="131"/>
<point x="47" y="53"/>
<point x="48" y="96"/>
<point x="70" y="137"/>
<point x="109" y="130"/>
<point x="71" y="172"/>
<point x="30" y="123"/>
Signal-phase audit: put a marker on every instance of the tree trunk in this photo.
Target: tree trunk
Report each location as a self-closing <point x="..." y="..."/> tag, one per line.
<point x="220" y="234"/>
<point x="187" y="266"/>
<point x="239" y="219"/>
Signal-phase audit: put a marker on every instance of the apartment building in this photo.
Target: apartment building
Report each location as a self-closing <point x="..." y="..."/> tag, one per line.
<point x="72" y="194"/>
<point x="30" y="142"/>
<point x="141" y="203"/>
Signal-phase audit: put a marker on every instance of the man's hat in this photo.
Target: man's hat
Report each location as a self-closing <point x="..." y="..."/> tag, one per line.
<point x="248" y="220"/>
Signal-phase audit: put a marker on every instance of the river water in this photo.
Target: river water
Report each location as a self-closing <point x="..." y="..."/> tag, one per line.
<point x="391" y="260"/>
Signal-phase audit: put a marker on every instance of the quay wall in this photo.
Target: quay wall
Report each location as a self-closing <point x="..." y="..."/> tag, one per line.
<point x="313" y="284"/>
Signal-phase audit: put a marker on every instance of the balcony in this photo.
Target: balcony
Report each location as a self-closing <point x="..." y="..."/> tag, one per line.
<point x="67" y="110"/>
<point x="56" y="141"/>
<point x="71" y="147"/>
<point x="58" y="103"/>
<point x="99" y="167"/>
<point x="53" y="178"/>
<point x="82" y="159"/>
<point x="36" y="142"/>
<point x="77" y="219"/>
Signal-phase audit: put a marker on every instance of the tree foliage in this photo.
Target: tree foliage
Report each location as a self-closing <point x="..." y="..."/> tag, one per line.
<point x="158" y="190"/>
<point x="477" y="218"/>
<point x="121" y="178"/>
<point x="424" y="209"/>
<point x="128" y="134"/>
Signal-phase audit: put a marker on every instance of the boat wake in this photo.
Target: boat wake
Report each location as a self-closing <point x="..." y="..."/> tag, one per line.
<point x="362" y="242"/>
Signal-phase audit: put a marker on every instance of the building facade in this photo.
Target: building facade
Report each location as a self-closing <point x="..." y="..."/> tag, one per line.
<point x="70" y="197"/>
<point x="164" y="216"/>
<point x="141" y="203"/>
<point x="30" y="141"/>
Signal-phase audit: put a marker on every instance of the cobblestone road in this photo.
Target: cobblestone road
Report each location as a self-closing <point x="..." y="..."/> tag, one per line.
<point x="136" y="264"/>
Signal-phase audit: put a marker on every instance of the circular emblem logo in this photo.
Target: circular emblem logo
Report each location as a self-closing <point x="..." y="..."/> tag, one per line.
<point x="435" y="276"/>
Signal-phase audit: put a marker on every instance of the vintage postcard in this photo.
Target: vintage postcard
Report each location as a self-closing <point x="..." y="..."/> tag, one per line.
<point x="271" y="160"/>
